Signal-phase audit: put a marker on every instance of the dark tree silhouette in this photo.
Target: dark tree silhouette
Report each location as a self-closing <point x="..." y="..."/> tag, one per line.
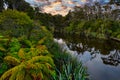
<point x="1" y="5"/>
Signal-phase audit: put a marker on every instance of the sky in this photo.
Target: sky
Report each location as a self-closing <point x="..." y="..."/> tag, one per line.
<point x="61" y="7"/>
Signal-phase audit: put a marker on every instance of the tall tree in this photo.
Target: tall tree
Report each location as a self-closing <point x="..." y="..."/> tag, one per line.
<point x="117" y="2"/>
<point x="14" y="4"/>
<point x="20" y="5"/>
<point x="1" y="5"/>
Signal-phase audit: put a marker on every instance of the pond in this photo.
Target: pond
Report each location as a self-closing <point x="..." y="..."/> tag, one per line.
<point x="101" y="57"/>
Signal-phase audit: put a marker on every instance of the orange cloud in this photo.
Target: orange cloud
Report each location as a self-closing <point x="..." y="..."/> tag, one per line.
<point x="54" y="7"/>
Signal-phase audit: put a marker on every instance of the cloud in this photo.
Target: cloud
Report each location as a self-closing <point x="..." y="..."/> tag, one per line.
<point x="60" y="6"/>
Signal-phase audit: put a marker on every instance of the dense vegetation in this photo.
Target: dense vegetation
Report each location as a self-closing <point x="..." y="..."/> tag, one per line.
<point x="28" y="52"/>
<point x="27" y="49"/>
<point x="95" y="28"/>
<point x="101" y="21"/>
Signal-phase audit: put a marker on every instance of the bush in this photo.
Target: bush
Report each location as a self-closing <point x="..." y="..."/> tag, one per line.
<point x="67" y="67"/>
<point x="14" y="23"/>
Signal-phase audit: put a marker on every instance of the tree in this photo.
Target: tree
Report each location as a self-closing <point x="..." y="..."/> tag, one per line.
<point x="14" y="4"/>
<point x="114" y="2"/>
<point x="1" y="5"/>
<point x="14" y="23"/>
<point x="115" y="14"/>
<point x="20" y="5"/>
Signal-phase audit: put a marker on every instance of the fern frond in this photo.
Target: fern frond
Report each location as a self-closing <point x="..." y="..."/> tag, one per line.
<point x="41" y="41"/>
<point x="28" y="43"/>
<point x="11" y="72"/>
<point x="1" y="36"/>
<point x="20" y="75"/>
<point x="12" y="60"/>
<point x="2" y="49"/>
<point x="42" y="59"/>
<point x="42" y="49"/>
<point x="6" y="74"/>
<point x="40" y="71"/>
<point x="41" y="66"/>
<point x="28" y="77"/>
<point x="21" y="53"/>
<point x="13" y="76"/>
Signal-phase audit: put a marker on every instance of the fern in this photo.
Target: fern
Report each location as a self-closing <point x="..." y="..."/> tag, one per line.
<point x="41" y="41"/>
<point x="39" y="67"/>
<point x="28" y="63"/>
<point x="3" y="67"/>
<point x="28" y="77"/>
<point x="2" y="49"/>
<point x="10" y="72"/>
<point x="12" y="60"/>
<point x="20" y="75"/>
<point x="14" y="45"/>
<point x="21" y="53"/>
<point x="13" y="76"/>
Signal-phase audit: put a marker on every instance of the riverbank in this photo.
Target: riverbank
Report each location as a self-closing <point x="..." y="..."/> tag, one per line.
<point x="99" y="28"/>
<point x="101" y="57"/>
<point x="28" y="51"/>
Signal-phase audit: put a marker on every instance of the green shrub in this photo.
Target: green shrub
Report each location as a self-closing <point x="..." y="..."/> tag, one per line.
<point x="14" y="23"/>
<point x="67" y="66"/>
<point x="33" y="62"/>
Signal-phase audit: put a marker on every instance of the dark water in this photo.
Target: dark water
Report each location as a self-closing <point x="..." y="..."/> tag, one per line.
<point x="101" y="57"/>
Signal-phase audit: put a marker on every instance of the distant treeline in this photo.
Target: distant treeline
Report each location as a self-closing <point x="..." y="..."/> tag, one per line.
<point x="98" y="20"/>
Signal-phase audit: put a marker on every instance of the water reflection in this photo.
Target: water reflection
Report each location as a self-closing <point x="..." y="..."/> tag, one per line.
<point x="109" y="50"/>
<point x="102" y="57"/>
<point x="113" y="58"/>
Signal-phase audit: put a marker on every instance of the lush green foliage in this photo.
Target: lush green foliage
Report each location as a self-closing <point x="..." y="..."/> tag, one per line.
<point x="34" y="62"/>
<point x="23" y="58"/>
<point x="28" y="60"/>
<point x="14" y="23"/>
<point x="67" y="66"/>
<point x="27" y="52"/>
<point x="95" y="28"/>
<point x="3" y="50"/>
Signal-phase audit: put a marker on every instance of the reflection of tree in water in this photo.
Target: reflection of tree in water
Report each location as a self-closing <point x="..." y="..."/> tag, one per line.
<point x="87" y="45"/>
<point x="112" y="59"/>
<point x="82" y="44"/>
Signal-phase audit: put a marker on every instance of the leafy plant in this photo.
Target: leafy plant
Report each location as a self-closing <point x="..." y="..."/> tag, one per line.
<point x="3" y="50"/>
<point x="14" y="45"/>
<point x="3" y="67"/>
<point x="67" y="67"/>
<point x="15" y="24"/>
<point x="72" y="70"/>
<point x="39" y="67"/>
<point x="29" y="63"/>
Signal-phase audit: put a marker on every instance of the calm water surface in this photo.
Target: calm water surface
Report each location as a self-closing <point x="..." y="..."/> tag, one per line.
<point x="101" y="57"/>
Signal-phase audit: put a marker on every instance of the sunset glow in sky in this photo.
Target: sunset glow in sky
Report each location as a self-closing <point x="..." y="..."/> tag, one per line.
<point x="61" y="6"/>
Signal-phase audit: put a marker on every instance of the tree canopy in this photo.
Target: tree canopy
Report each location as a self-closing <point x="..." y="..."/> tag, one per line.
<point x="15" y="23"/>
<point x="1" y="5"/>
